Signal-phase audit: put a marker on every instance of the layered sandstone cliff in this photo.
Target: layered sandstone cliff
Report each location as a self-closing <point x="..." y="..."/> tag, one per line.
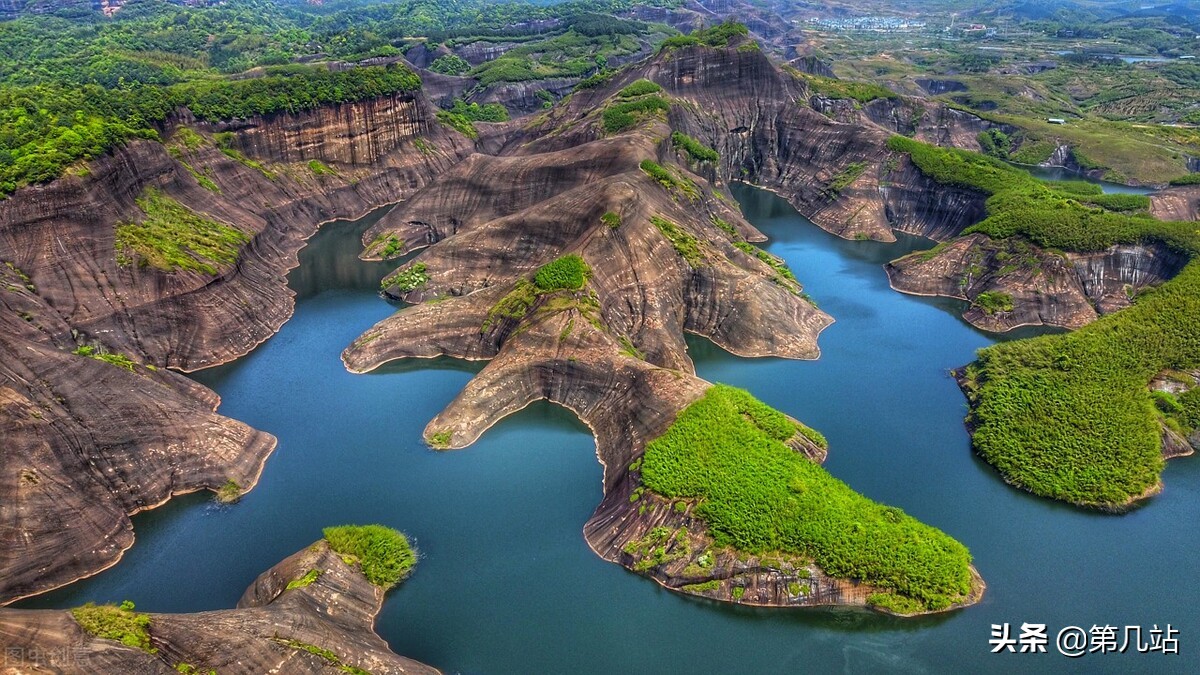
<point x="90" y="442"/>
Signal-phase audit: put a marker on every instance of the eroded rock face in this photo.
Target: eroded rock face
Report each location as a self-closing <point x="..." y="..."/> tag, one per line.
<point x="1176" y="203"/>
<point x="613" y="351"/>
<point x="87" y="442"/>
<point x="1012" y="283"/>
<point x="273" y="630"/>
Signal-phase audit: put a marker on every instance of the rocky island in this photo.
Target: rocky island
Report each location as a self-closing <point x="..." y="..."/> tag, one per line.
<point x="311" y="613"/>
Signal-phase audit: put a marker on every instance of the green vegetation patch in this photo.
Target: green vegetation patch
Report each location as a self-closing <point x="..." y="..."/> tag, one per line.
<point x="384" y="553"/>
<point x="1047" y="214"/>
<point x="844" y="178"/>
<point x="831" y="87"/>
<point x="619" y="117"/>
<point x="670" y="178"/>
<point x="440" y="439"/>
<point x="715" y="36"/>
<point x="684" y="243"/>
<point x="1033" y="152"/>
<point x="407" y="279"/>
<point x="1119" y="202"/>
<point x="783" y="275"/>
<point x="694" y="148"/>
<point x="457" y="122"/>
<point x="994" y="301"/>
<point x="328" y="655"/>
<point x="639" y="88"/>
<point x="758" y="495"/>
<point x="895" y="603"/>
<point x="319" y="168"/>
<point x="1070" y="416"/>
<point x="611" y="219"/>
<point x="488" y="112"/>
<point x="450" y="64"/>
<point x="113" y="622"/>
<point x="229" y="492"/>
<point x="306" y="580"/>
<point x="173" y="237"/>
<point x="569" y="272"/>
<point x="100" y="354"/>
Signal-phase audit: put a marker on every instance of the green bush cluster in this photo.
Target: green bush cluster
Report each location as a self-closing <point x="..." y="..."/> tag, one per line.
<point x="697" y="150"/>
<point x="384" y="554"/>
<point x="408" y="279"/>
<point x="758" y="495"/>
<point x="570" y="272"/>
<point x="450" y="64"/>
<point x="1033" y="152"/>
<point x="611" y="219"/>
<point x="173" y="237"/>
<point x="670" y="179"/>
<point x="639" y="88"/>
<point x="1187" y="179"/>
<point x="714" y="36"/>
<point x="621" y="116"/>
<point x="994" y="143"/>
<point x="1070" y="416"/>
<point x="113" y="622"/>
<point x="319" y="168"/>
<point x="459" y="123"/>
<point x="593" y="81"/>
<point x="1119" y="202"/>
<point x="994" y="301"/>
<point x="116" y="359"/>
<point x="488" y="112"/>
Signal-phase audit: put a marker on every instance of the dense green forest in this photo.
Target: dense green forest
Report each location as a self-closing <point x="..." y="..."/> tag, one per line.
<point x="75" y="84"/>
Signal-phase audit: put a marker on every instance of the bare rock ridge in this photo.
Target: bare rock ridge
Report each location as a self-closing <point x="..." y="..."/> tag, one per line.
<point x="292" y="619"/>
<point x="1013" y="283"/>
<point x="667" y="253"/>
<point x="89" y="442"/>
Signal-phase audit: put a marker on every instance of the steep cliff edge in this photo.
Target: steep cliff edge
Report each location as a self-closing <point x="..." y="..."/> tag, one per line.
<point x="313" y="612"/>
<point x="97" y="300"/>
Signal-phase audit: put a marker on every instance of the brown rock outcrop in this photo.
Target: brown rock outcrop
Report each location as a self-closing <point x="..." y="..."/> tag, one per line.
<point x="325" y="626"/>
<point x="1012" y="283"/>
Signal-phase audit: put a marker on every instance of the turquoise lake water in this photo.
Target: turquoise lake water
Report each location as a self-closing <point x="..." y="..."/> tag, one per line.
<point x="506" y="583"/>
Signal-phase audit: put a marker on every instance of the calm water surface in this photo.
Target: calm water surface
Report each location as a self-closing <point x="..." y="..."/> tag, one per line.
<point x="506" y="583"/>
